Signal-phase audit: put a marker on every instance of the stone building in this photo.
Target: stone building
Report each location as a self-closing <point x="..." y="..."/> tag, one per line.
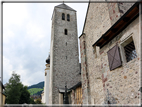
<point x="110" y="54"/>
<point x="64" y="56"/>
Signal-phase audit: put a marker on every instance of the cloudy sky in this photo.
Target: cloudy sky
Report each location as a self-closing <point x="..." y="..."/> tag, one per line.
<point x="26" y="38"/>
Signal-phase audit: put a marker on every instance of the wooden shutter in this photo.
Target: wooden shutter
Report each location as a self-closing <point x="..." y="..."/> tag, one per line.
<point x="114" y="57"/>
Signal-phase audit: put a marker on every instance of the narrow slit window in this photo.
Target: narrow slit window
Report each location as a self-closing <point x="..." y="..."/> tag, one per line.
<point x="63" y="16"/>
<point x="66" y="31"/>
<point x="68" y="17"/>
<point x="130" y="51"/>
<point x="66" y="57"/>
<point x="66" y="43"/>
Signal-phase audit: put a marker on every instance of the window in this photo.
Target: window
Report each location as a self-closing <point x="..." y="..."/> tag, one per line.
<point x="63" y="16"/>
<point x="114" y="58"/>
<point x="130" y="51"/>
<point x="66" y="32"/>
<point x="66" y="43"/>
<point x="68" y="17"/>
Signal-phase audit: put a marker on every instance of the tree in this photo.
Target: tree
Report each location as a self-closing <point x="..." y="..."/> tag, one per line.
<point x="32" y="101"/>
<point x="12" y="89"/>
<point x="25" y="96"/>
<point x="16" y="92"/>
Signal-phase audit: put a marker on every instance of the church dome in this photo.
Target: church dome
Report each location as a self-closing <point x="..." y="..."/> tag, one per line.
<point x="48" y="60"/>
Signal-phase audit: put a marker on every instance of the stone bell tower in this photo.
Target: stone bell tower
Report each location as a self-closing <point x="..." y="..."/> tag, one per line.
<point x="64" y="56"/>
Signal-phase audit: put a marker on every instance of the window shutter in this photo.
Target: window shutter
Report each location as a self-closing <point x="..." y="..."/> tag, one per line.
<point x="114" y="57"/>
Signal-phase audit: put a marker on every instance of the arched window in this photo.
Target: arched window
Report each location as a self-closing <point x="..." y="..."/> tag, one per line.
<point x="63" y="16"/>
<point x="68" y="17"/>
<point x="66" y="32"/>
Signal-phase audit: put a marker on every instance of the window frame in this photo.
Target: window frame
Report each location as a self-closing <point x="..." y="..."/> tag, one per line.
<point x="129" y="56"/>
<point x="123" y="43"/>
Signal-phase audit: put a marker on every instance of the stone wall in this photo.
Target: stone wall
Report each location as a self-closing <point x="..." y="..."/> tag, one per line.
<point x="65" y="62"/>
<point x="121" y="85"/>
<point x="117" y="10"/>
<point x="84" y="73"/>
<point x="97" y="23"/>
<point x="124" y="7"/>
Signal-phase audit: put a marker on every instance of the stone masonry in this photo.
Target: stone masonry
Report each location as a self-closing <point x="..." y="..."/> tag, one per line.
<point x="64" y="54"/>
<point x="99" y="84"/>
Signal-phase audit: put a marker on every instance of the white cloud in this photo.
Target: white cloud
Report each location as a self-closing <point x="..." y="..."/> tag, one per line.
<point x="26" y="37"/>
<point x="34" y="32"/>
<point x="8" y="35"/>
<point x="8" y="69"/>
<point x="28" y="79"/>
<point x="14" y="14"/>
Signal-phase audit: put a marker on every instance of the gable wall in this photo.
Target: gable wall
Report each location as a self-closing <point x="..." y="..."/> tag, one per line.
<point x="119" y="86"/>
<point x="97" y="24"/>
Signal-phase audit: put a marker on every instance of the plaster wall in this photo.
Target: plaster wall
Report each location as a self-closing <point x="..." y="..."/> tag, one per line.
<point x="48" y="76"/>
<point x="43" y="98"/>
<point x="1" y="95"/>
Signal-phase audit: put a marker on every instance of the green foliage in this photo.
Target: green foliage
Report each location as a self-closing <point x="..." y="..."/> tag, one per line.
<point x="38" y="101"/>
<point x="39" y="85"/>
<point x="34" y="91"/>
<point x="32" y="101"/>
<point x="12" y="90"/>
<point x="25" y="96"/>
<point x="16" y="92"/>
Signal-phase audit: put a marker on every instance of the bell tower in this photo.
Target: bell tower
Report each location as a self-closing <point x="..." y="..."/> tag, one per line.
<point x="64" y="56"/>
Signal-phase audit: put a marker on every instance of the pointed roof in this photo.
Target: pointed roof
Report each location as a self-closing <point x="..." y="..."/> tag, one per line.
<point x="64" y="6"/>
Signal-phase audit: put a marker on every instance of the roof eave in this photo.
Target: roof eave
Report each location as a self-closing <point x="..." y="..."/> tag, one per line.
<point x="65" y="9"/>
<point x="131" y="14"/>
<point x="85" y="19"/>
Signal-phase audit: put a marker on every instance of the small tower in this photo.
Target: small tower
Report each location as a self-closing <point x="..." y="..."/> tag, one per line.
<point x="64" y="62"/>
<point x="47" y="79"/>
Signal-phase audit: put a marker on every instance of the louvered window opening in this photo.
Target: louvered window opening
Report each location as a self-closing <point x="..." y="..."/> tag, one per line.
<point x="130" y="51"/>
<point x="63" y="16"/>
<point x="78" y="95"/>
<point x="68" y="17"/>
